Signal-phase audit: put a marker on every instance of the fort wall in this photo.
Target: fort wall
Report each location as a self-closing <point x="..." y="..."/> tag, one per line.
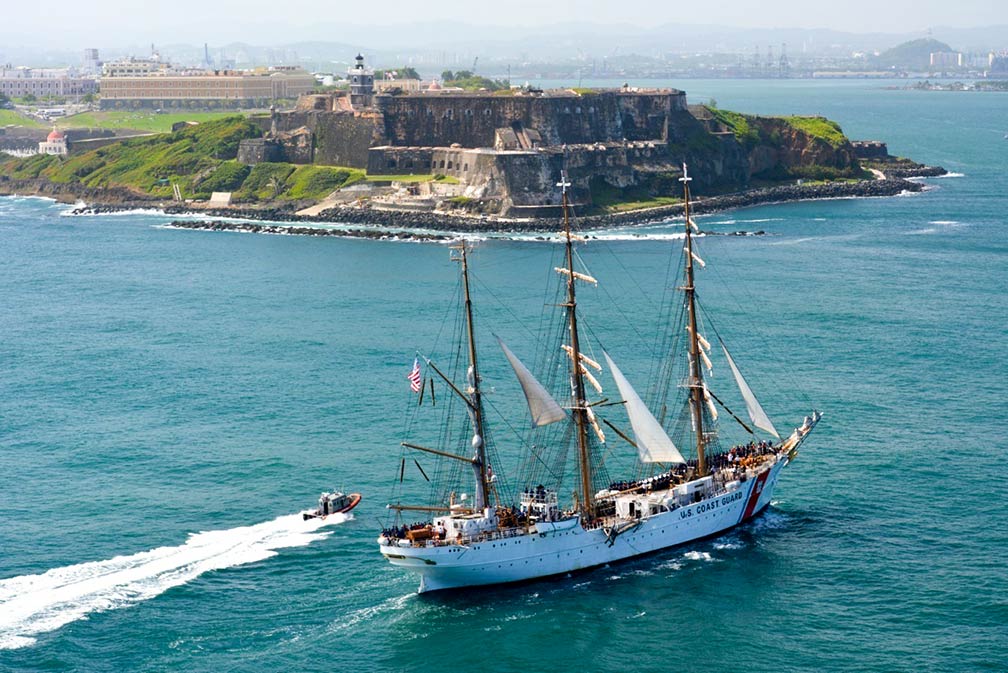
<point x="340" y="138"/>
<point x="471" y="120"/>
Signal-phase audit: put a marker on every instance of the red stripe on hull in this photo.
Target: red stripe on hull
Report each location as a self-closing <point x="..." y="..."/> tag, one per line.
<point x="754" y="495"/>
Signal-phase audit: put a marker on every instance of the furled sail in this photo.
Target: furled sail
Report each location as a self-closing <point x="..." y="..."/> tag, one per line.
<point x="542" y="406"/>
<point x="653" y="443"/>
<point x="756" y="413"/>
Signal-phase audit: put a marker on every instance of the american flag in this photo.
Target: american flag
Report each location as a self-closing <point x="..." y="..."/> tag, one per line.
<point x="414" y="376"/>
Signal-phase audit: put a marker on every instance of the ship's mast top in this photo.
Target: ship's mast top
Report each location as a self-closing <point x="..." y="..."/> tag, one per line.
<point x="473" y="389"/>
<point x="696" y="385"/>
<point x="579" y="405"/>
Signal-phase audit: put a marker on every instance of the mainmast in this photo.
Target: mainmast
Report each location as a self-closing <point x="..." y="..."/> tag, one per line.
<point x="696" y="384"/>
<point x="580" y="404"/>
<point x="475" y="395"/>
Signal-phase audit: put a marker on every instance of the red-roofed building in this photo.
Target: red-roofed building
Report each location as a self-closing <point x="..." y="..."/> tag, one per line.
<point x="55" y="143"/>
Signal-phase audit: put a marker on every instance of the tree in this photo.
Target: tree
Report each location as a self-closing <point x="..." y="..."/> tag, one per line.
<point x="4" y="100"/>
<point x="28" y="98"/>
<point x="405" y="72"/>
<point x="447" y="76"/>
<point x="88" y="98"/>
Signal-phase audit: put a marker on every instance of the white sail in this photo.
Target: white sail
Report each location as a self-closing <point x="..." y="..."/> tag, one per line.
<point x="756" y="413"/>
<point x="710" y="403"/>
<point x="542" y="406"/>
<point x="653" y="443"/>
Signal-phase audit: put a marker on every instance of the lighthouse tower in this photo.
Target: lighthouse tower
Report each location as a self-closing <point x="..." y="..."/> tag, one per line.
<point x="361" y="83"/>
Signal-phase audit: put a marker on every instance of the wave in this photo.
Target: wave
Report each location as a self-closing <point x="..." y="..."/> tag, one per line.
<point x="698" y="556"/>
<point x="34" y="604"/>
<point x="27" y="197"/>
<point x="797" y="241"/>
<point x="350" y="620"/>
<point x="951" y="174"/>
<point x="631" y="236"/>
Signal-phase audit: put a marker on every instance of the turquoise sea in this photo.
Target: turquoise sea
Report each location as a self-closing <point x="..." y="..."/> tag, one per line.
<point x="170" y="399"/>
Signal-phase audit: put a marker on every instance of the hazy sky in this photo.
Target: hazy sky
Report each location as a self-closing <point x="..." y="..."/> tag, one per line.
<point x="73" y="24"/>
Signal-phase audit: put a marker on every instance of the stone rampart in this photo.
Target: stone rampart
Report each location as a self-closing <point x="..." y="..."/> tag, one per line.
<point x="252" y="151"/>
<point x="472" y="119"/>
<point x="870" y="149"/>
<point x="340" y="138"/>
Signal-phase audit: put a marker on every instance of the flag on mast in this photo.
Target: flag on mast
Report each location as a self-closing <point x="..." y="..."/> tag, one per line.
<point x="414" y="376"/>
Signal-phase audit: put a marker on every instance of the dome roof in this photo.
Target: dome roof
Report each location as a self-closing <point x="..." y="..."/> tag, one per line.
<point x="55" y="135"/>
<point x="434" y="86"/>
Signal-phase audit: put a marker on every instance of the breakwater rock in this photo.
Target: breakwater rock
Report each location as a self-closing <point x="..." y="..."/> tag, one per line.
<point x="282" y="229"/>
<point x="254" y="228"/>
<point x="918" y="172"/>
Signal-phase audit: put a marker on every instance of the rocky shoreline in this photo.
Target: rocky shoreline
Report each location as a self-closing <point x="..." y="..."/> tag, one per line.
<point x="103" y="200"/>
<point x="448" y="222"/>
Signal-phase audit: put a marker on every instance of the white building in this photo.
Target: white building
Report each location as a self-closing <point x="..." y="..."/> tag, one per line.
<point x="55" y="143"/>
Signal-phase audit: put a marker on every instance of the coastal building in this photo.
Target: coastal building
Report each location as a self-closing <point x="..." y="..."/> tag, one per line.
<point x="406" y="85"/>
<point x="44" y="82"/>
<point x="90" y="63"/>
<point x="55" y="143"/>
<point x="947" y="59"/>
<point x="998" y="66"/>
<point x="136" y="67"/>
<point x="168" y="88"/>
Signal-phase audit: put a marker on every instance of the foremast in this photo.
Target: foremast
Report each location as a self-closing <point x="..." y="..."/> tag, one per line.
<point x="696" y="384"/>
<point x="579" y="408"/>
<point x="475" y="406"/>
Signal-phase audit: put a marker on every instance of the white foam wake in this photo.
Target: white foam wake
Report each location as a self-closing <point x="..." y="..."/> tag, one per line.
<point x="34" y="604"/>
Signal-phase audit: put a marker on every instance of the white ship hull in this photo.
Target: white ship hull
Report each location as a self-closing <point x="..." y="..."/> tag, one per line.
<point x="564" y="546"/>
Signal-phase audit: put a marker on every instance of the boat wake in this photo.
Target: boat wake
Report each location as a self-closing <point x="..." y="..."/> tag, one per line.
<point x="34" y="604"/>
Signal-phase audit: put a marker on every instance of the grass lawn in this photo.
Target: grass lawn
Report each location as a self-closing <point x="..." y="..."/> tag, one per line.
<point x="8" y="117"/>
<point x="138" y="120"/>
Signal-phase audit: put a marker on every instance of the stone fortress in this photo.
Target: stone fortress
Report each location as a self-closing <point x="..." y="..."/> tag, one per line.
<point x="507" y="149"/>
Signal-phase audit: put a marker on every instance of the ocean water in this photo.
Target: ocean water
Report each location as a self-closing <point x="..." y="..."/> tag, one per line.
<point x="169" y="400"/>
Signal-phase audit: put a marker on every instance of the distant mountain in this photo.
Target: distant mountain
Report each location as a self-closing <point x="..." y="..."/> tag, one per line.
<point x="914" y="55"/>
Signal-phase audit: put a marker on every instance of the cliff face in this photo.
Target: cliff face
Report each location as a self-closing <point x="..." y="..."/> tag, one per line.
<point x="785" y="148"/>
<point x="777" y="148"/>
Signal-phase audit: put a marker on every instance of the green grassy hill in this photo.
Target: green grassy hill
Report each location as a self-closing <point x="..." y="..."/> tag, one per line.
<point x="199" y="159"/>
<point x="915" y="54"/>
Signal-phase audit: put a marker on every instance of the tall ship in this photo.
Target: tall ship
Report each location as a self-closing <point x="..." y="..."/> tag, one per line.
<point x="476" y="531"/>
